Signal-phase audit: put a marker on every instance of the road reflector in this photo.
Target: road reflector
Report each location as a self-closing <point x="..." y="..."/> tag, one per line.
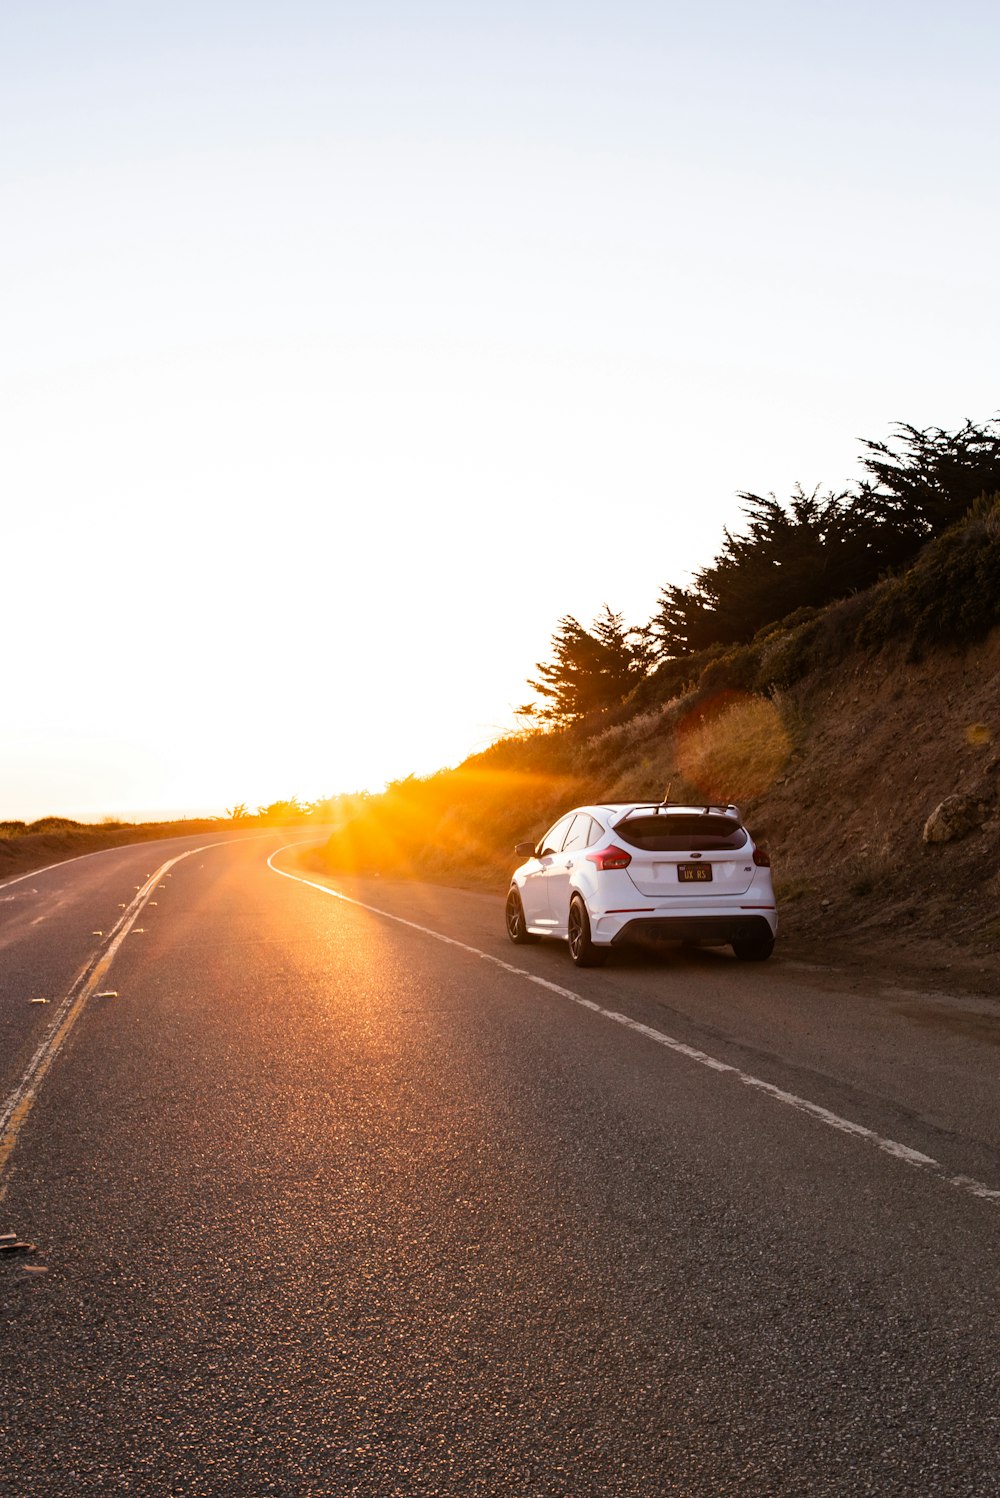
<point x="107" y="993"/>
<point x="38" y="1001"/>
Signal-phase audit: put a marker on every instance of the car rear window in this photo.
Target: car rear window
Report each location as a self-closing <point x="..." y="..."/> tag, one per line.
<point x="681" y="834"/>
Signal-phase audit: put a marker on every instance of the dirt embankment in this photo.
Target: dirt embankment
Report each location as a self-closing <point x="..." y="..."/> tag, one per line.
<point x="876" y="746"/>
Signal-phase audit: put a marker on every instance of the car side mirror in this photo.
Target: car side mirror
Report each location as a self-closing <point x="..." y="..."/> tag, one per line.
<point x="524" y="850"/>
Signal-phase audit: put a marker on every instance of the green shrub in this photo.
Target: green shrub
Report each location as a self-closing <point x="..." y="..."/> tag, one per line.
<point x="786" y="657"/>
<point x="673" y="678"/>
<point x="736" y="671"/>
<point x="951" y="594"/>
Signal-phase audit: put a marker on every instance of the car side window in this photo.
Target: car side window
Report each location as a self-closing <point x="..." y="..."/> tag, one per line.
<point x="553" y="840"/>
<point x="580" y="835"/>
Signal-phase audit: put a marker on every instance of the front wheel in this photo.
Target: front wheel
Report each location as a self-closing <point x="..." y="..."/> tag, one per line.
<point x="581" y="948"/>
<point x="517" y="928"/>
<point x="758" y="949"/>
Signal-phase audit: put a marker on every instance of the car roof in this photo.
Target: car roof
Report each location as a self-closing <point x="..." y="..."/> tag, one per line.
<point x="666" y="808"/>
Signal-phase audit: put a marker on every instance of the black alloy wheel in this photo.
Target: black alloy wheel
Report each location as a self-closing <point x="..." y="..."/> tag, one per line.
<point x="581" y="948"/>
<point x="517" y="929"/>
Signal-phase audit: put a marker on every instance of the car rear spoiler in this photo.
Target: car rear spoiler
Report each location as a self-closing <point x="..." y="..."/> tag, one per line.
<point x="727" y="808"/>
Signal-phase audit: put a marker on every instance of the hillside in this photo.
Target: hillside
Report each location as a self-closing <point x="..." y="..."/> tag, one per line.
<point x="838" y="733"/>
<point x="877" y="744"/>
<point x="34" y="845"/>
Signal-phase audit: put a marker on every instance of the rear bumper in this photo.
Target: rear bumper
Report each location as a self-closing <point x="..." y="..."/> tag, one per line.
<point x="701" y="930"/>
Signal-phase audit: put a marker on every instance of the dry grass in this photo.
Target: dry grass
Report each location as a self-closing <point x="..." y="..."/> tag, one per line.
<point x="55" y="839"/>
<point x="612" y="742"/>
<point x="735" y="753"/>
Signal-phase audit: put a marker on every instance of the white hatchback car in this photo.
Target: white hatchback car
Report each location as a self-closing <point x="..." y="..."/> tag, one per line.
<point x="605" y="875"/>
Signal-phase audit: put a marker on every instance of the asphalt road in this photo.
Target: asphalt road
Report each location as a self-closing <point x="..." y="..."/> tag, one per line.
<point x="342" y="1198"/>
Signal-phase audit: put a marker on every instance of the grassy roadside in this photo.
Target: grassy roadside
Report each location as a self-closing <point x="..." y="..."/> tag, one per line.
<point x="55" y="839"/>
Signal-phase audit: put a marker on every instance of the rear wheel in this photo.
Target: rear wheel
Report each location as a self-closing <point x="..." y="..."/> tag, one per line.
<point x="581" y="948"/>
<point x="758" y="949"/>
<point x="517" y="929"/>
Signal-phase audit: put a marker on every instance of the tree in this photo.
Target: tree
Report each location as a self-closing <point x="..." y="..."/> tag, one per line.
<point x="801" y="554"/>
<point x="817" y="548"/>
<point x="590" y="670"/>
<point x="934" y="477"/>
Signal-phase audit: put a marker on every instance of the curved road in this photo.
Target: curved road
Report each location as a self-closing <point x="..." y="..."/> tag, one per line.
<point x="348" y="1196"/>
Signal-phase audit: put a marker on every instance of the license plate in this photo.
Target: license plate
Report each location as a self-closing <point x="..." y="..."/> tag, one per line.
<point x="694" y="873"/>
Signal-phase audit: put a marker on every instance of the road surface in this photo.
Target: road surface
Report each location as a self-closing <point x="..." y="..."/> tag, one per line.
<point x="351" y="1197"/>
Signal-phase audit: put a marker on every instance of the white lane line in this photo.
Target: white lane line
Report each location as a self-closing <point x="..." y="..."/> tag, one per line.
<point x="34" y="873"/>
<point x="901" y="1152"/>
<point x="20" y="1102"/>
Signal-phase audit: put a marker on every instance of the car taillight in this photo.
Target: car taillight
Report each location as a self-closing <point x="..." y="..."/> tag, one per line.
<point x="762" y="858"/>
<point x="610" y="858"/>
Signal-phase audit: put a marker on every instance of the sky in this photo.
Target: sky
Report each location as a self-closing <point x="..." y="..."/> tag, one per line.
<point x="344" y="349"/>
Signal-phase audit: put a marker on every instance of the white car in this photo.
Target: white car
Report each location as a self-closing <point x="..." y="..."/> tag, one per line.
<point x="604" y="875"/>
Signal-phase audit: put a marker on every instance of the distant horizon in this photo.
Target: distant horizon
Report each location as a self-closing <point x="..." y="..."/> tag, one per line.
<point x="95" y="819"/>
<point x="182" y="811"/>
<point x="148" y="814"/>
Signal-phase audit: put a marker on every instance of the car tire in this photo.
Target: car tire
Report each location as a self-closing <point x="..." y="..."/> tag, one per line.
<point x="581" y="948"/>
<point x="758" y="949"/>
<point x="517" y="928"/>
